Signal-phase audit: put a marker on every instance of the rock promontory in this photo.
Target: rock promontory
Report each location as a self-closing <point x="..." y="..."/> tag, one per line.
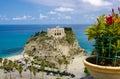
<point x="56" y="45"/>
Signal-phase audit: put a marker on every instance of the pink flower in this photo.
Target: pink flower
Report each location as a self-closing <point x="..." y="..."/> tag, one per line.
<point x="113" y="11"/>
<point x="119" y="9"/>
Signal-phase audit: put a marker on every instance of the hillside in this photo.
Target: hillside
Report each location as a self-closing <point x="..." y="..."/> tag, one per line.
<point x="58" y="51"/>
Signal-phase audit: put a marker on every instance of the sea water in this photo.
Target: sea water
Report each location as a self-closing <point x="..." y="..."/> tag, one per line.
<point x="14" y="37"/>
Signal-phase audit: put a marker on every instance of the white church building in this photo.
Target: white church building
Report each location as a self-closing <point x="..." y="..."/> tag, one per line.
<point x="56" y="32"/>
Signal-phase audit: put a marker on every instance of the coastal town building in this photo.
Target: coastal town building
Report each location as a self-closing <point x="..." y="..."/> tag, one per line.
<point x="56" y="32"/>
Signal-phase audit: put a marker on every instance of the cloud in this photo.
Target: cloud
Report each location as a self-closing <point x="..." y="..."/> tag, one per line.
<point x="64" y="3"/>
<point x="72" y="3"/>
<point x="76" y="5"/>
<point x="64" y="9"/>
<point x="98" y="2"/>
<point x="64" y="17"/>
<point x="43" y="16"/>
<point x="23" y="18"/>
<point x="90" y="17"/>
<point x="61" y="10"/>
<point x="67" y="17"/>
<point x="3" y="18"/>
<point x="52" y="12"/>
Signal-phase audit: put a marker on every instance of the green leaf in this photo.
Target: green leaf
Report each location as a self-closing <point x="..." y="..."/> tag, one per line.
<point x="118" y="43"/>
<point x="90" y="38"/>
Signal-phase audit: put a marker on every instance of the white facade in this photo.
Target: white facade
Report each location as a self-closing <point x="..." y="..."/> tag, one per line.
<point x="56" y="32"/>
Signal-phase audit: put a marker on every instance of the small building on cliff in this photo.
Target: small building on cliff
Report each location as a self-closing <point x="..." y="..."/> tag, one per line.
<point x="56" y="32"/>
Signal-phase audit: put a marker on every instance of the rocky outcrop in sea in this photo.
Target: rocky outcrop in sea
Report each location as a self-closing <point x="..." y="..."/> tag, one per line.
<point x="60" y="51"/>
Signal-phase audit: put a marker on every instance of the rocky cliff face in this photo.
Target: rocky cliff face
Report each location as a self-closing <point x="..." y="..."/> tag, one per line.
<point x="54" y="49"/>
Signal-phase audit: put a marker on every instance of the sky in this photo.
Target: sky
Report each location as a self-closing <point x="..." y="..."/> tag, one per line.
<point x="54" y="11"/>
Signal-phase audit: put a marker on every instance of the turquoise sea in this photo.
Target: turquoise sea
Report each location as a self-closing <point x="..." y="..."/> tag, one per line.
<point x="14" y="37"/>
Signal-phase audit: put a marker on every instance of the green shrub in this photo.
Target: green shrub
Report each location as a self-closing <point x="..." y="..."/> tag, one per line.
<point x="86" y="72"/>
<point x="58" y="78"/>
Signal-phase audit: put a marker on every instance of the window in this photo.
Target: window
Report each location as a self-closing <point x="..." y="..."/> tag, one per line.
<point x="55" y="34"/>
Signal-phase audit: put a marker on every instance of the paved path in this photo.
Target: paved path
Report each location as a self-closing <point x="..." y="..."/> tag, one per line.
<point x="77" y="67"/>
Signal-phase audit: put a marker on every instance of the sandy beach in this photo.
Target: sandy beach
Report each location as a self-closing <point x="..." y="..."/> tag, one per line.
<point x="76" y="67"/>
<point x="17" y="57"/>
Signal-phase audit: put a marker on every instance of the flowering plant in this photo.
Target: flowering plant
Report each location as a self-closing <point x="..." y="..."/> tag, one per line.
<point x="106" y="34"/>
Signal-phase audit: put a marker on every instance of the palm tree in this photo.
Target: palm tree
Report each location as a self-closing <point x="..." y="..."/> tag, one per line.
<point x="26" y="61"/>
<point x="66" y="61"/>
<point x="60" y="62"/>
<point x="32" y="62"/>
<point x="20" y="69"/>
<point x="10" y="67"/>
<point x="1" y="60"/>
<point x="15" y="64"/>
<point x="42" y="64"/>
<point x="51" y="65"/>
<point x="30" y="69"/>
<point x="5" y="61"/>
<point x="5" y="67"/>
<point x="34" y="71"/>
<point x="1" y="63"/>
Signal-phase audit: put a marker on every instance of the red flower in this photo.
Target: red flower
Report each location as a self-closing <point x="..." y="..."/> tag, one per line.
<point x="109" y="19"/>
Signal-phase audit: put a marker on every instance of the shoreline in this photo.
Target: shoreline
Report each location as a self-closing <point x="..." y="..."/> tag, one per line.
<point x="16" y="57"/>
